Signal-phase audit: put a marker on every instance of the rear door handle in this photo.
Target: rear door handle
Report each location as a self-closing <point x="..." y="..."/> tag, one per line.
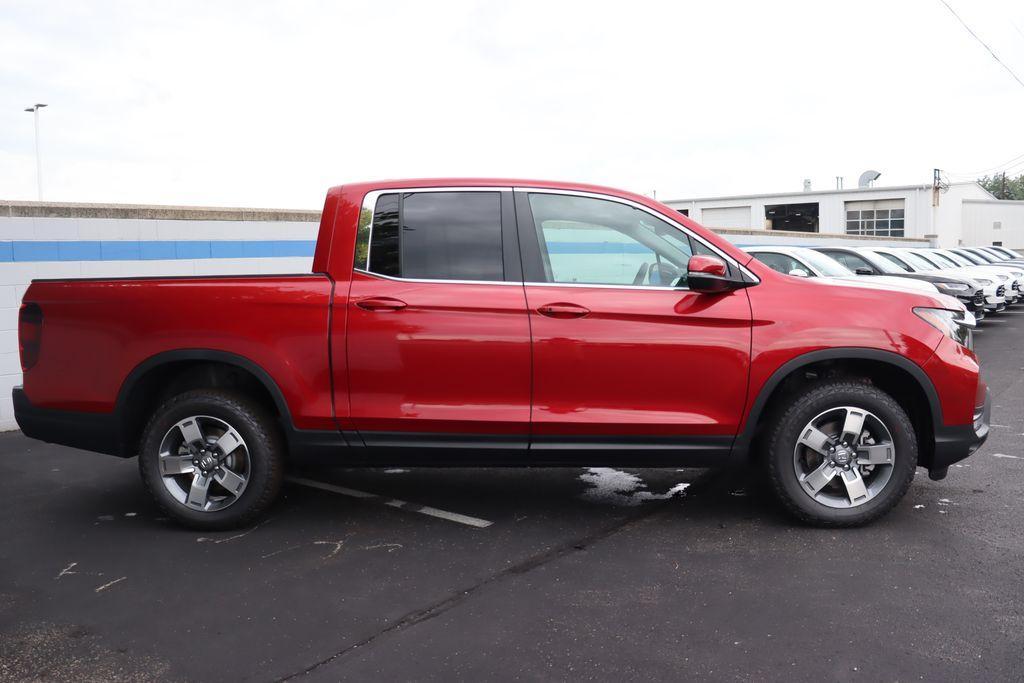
<point x="383" y="303"/>
<point x="563" y="310"/>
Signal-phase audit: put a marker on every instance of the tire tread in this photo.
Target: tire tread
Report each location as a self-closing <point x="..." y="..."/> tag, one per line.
<point x="821" y="394"/>
<point x="266" y="433"/>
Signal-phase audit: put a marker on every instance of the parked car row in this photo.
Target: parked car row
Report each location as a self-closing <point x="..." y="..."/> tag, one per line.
<point x="984" y="279"/>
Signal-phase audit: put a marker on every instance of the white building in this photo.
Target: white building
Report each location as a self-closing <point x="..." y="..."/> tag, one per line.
<point x="966" y="213"/>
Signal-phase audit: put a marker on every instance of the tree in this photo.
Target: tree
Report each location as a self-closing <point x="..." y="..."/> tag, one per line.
<point x="1003" y="186"/>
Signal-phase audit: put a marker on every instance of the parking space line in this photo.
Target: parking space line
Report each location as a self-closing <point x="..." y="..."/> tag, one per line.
<point x="393" y="502"/>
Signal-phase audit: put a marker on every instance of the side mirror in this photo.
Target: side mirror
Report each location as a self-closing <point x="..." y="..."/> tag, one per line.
<point x="863" y="271"/>
<point x="710" y="275"/>
<point x="799" y="272"/>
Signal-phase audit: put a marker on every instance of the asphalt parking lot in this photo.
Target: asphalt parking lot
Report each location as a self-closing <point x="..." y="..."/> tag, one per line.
<point x="518" y="574"/>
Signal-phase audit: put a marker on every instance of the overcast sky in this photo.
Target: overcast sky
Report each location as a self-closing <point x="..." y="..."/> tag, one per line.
<point x="267" y="104"/>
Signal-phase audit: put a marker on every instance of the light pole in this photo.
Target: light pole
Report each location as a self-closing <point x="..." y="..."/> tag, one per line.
<point x="39" y="163"/>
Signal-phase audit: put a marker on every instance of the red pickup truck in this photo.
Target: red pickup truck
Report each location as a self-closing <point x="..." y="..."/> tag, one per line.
<point x="504" y="322"/>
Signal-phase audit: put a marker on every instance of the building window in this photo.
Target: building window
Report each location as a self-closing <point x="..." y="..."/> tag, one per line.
<point x="883" y="218"/>
<point x="796" y="217"/>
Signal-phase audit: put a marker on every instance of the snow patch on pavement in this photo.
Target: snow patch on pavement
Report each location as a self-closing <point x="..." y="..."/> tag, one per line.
<point x="615" y="487"/>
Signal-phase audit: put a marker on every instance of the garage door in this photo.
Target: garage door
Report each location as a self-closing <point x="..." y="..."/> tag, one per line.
<point x="726" y="217"/>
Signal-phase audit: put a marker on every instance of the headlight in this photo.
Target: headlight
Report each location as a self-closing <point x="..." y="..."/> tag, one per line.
<point x="982" y="281"/>
<point x="954" y="286"/>
<point x="954" y="324"/>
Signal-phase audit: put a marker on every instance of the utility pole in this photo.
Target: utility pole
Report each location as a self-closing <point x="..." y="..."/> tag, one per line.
<point x="936" y="184"/>
<point x="1002" y="193"/>
<point x="39" y="163"/>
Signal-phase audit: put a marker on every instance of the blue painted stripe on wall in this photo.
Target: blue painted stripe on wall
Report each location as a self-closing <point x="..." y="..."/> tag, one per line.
<point x="132" y="250"/>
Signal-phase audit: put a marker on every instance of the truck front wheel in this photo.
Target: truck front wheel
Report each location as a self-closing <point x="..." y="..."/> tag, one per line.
<point x="211" y="459"/>
<point x="841" y="454"/>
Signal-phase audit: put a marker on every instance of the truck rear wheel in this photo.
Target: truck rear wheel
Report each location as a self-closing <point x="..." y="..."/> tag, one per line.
<point x="842" y="454"/>
<point x="211" y="459"/>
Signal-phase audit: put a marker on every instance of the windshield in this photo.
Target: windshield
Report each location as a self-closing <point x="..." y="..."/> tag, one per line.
<point x="987" y="255"/>
<point x="943" y="260"/>
<point x="916" y="261"/>
<point x="888" y="263"/>
<point x="826" y="265"/>
<point x="957" y="258"/>
<point x="972" y="257"/>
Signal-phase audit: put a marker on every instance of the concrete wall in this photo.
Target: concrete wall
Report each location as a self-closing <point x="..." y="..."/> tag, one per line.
<point x="54" y="240"/>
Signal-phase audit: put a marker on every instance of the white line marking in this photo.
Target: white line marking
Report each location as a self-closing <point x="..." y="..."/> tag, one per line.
<point x="312" y="483"/>
<point x="394" y="502"/>
<point x="108" y="585"/>
<point x="1004" y="455"/>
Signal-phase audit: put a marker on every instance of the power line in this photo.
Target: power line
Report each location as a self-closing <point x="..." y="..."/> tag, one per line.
<point x="983" y="44"/>
<point x="998" y="167"/>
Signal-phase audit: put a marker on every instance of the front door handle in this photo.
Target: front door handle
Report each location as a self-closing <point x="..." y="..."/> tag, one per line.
<point x="563" y="310"/>
<point x="383" y="303"/>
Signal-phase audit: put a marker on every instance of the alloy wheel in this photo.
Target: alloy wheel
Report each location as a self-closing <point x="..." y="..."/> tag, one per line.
<point x="204" y="463"/>
<point x="844" y="457"/>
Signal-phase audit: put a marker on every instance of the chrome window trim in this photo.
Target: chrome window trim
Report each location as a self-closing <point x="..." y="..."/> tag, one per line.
<point x="628" y="202"/>
<point x="639" y="288"/>
<point x="370" y="203"/>
<point x="427" y="281"/>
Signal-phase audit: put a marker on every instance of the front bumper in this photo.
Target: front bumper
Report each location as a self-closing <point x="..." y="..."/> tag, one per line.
<point x="974" y="303"/>
<point x="954" y="443"/>
<point x="89" y="431"/>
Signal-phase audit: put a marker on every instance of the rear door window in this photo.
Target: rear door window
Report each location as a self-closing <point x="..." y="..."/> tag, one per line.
<point x="433" y="236"/>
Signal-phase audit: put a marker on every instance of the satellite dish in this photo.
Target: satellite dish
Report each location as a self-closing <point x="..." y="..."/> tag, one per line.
<point x="868" y="177"/>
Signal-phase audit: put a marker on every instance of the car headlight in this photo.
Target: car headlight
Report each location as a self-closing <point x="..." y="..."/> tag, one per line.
<point x="954" y="324"/>
<point x="955" y="286"/>
<point x="982" y="281"/>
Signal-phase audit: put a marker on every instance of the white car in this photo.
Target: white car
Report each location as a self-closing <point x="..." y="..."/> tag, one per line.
<point x="995" y="285"/>
<point x="805" y="262"/>
<point x="1014" y="291"/>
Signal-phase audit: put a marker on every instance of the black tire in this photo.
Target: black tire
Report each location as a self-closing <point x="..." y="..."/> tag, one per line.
<point x="787" y="427"/>
<point x="262" y="440"/>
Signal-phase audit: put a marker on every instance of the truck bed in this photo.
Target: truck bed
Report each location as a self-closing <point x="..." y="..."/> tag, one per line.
<point x="98" y="331"/>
